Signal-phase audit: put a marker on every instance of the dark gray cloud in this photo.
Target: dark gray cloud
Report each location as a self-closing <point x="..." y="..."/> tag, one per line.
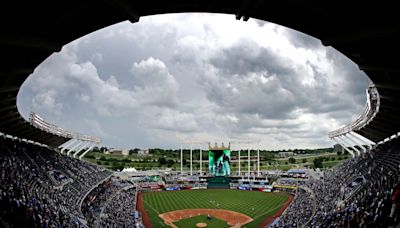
<point x="277" y="89"/>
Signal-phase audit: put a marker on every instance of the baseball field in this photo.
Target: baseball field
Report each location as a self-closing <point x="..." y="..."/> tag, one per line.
<point x="211" y="208"/>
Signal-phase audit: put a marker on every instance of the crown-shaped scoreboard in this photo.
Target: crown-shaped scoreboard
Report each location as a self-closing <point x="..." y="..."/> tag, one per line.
<point x="219" y="160"/>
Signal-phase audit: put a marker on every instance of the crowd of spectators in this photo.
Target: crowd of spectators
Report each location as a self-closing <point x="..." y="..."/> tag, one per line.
<point x="111" y="204"/>
<point x="299" y="212"/>
<point x="373" y="203"/>
<point x="361" y="192"/>
<point x="42" y="188"/>
<point x="120" y="211"/>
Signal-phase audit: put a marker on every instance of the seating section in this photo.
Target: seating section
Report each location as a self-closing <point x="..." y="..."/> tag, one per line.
<point x="360" y="192"/>
<point x="42" y="188"/>
<point x="112" y="204"/>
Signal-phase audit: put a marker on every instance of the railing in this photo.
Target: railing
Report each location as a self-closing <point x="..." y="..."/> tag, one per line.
<point x="40" y="123"/>
<point x="370" y="111"/>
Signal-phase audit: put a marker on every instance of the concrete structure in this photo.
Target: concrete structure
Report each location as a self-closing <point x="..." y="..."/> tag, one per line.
<point x="114" y="151"/>
<point x="285" y="154"/>
<point x="143" y="152"/>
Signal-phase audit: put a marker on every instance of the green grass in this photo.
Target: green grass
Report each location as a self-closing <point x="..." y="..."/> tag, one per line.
<point x="257" y="205"/>
<point x="191" y="222"/>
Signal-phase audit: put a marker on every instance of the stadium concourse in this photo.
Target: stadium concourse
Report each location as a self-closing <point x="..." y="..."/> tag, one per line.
<point x="43" y="187"/>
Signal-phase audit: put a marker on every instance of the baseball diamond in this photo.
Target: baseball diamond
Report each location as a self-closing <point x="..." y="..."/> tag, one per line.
<point x="258" y="206"/>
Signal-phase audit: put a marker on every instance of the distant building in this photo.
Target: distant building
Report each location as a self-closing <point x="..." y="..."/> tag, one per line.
<point x="143" y="152"/>
<point x="285" y="154"/>
<point x="118" y="151"/>
<point x="337" y="148"/>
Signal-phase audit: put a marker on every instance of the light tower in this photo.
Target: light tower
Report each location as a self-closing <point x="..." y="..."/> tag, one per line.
<point x="191" y="144"/>
<point x="247" y="142"/>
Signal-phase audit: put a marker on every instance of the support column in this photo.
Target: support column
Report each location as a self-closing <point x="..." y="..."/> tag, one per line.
<point x="350" y="145"/>
<point x="348" y="136"/>
<point x="74" y="148"/>
<point x="258" y="162"/>
<point x="248" y="163"/>
<point x="191" y="160"/>
<point x="360" y="142"/>
<point x="363" y="139"/>
<point x="70" y="143"/>
<point x="86" y="151"/>
<point x="239" y="162"/>
<point x="344" y="146"/>
<point x="201" y="160"/>
<point x="66" y="143"/>
<point x="80" y="148"/>
<point x="181" y="160"/>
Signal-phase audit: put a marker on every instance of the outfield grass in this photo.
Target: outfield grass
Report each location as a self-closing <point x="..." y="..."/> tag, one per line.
<point x="191" y="222"/>
<point x="257" y="205"/>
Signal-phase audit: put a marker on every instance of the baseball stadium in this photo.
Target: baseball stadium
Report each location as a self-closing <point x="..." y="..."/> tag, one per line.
<point x="212" y="202"/>
<point x="199" y="114"/>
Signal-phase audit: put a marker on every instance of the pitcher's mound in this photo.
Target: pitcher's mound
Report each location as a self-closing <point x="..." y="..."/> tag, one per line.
<point x="201" y="224"/>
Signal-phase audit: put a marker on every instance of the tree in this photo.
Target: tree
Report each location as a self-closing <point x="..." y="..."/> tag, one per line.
<point x="117" y="166"/>
<point x="170" y="162"/>
<point x="292" y="160"/>
<point x="304" y="160"/>
<point x="333" y="158"/>
<point x="318" y="163"/>
<point x="90" y="156"/>
<point x="162" y="161"/>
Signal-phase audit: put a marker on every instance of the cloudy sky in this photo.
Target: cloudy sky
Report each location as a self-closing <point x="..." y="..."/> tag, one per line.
<point x="197" y="77"/>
